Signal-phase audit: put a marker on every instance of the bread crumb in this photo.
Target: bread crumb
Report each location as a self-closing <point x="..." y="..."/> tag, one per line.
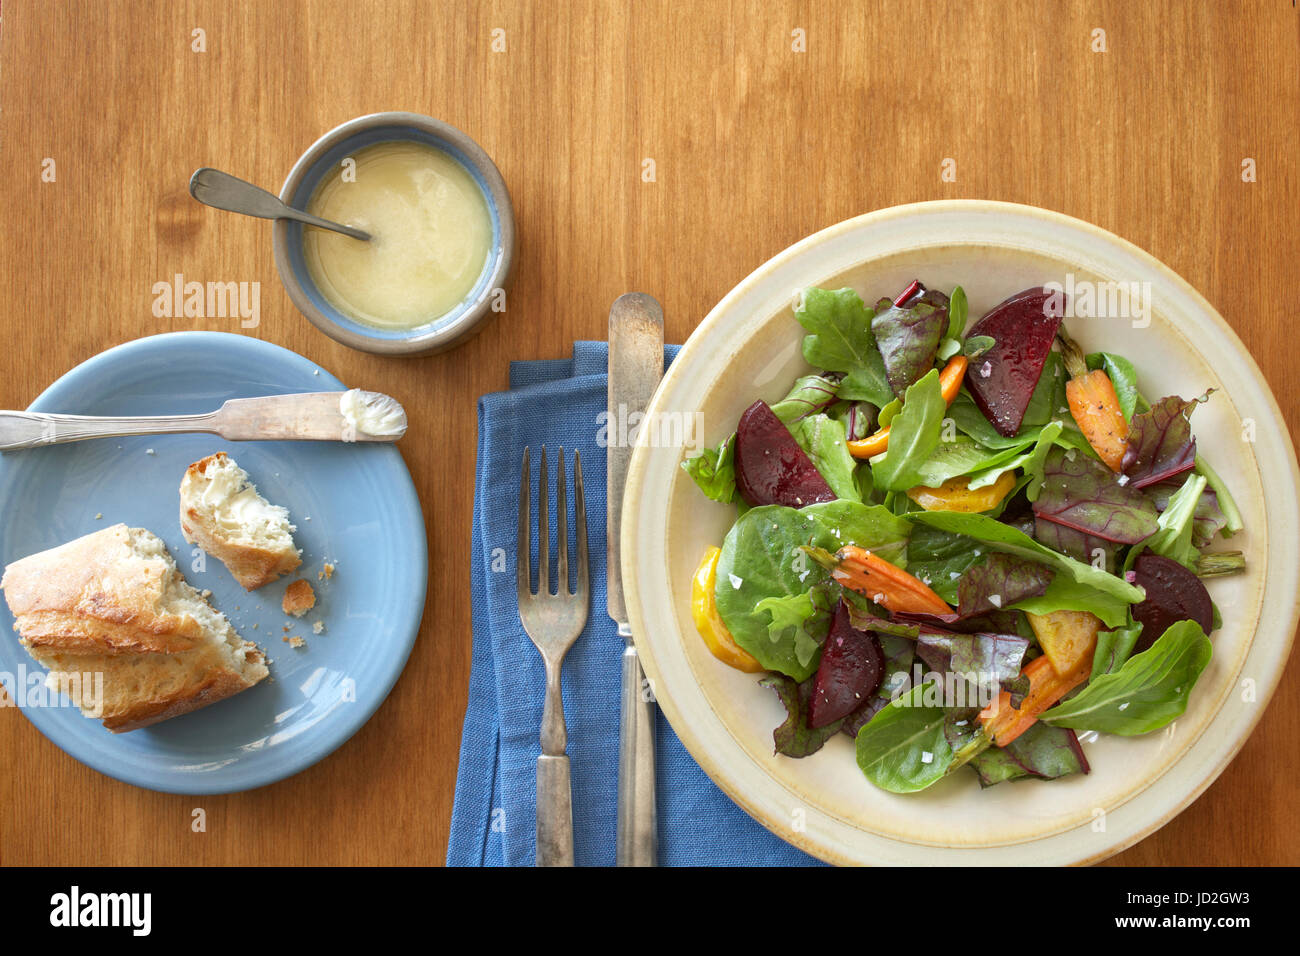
<point x="99" y="516"/>
<point x="294" y="642"/>
<point x="149" y="451"/>
<point x="318" y="627"/>
<point x="299" y="598"/>
<point x="326" y="573"/>
<point x="207" y="593"/>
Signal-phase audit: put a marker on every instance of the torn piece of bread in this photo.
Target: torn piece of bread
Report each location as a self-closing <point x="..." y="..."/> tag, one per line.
<point x="114" y="603"/>
<point x="224" y="515"/>
<point x="299" y="598"/>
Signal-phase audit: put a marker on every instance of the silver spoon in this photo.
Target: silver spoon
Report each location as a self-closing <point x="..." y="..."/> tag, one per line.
<point x="221" y="190"/>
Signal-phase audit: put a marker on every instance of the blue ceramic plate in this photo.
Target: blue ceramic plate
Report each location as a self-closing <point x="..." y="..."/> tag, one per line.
<point x="355" y="507"/>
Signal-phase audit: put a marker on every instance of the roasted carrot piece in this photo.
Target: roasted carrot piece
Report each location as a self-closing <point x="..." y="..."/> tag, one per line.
<point x="1003" y="723"/>
<point x="1094" y="405"/>
<point x="950" y="380"/>
<point x="886" y="584"/>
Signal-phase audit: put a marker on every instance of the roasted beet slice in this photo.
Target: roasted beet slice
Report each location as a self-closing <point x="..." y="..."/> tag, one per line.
<point x="1173" y="594"/>
<point x="851" y="669"/>
<point x="1002" y="380"/>
<point x="771" y="468"/>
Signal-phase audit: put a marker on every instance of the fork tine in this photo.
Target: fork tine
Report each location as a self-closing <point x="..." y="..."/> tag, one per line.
<point x="561" y="529"/>
<point x="543" y="532"/>
<point x="580" y="514"/>
<point x="523" y="568"/>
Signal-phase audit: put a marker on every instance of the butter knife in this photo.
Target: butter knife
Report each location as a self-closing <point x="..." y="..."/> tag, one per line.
<point x="311" y="416"/>
<point x="636" y="364"/>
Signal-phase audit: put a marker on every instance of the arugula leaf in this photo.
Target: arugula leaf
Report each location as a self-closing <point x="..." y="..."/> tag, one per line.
<point x="958" y="309"/>
<point x="794" y="738"/>
<point x="1149" y="691"/>
<point x="913" y="435"/>
<point x="971" y="421"/>
<point x="903" y="748"/>
<point x="1043" y="403"/>
<point x="1003" y="537"/>
<point x="1208" y="518"/>
<point x="1160" y="441"/>
<point x="1041" y="751"/>
<point x="908" y="337"/>
<point x="961" y="456"/>
<point x="977" y="345"/>
<point x="823" y="438"/>
<point x="1122" y="375"/>
<point x="1224" y="499"/>
<point x="1084" y="495"/>
<point x="1067" y="594"/>
<point x="1032" y="461"/>
<point x="761" y="561"/>
<point x="1177" y="523"/>
<point x="841" y="340"/>
<point x="714" y="470"/>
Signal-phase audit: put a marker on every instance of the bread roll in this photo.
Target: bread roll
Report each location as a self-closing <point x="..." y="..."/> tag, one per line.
<point x="224" y="515"/>
<point x="113" y="602"/>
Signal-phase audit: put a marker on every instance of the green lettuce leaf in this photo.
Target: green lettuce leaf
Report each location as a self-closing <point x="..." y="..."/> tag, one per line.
<point x="1145" y="694"/>
<point x="903" y="748"/>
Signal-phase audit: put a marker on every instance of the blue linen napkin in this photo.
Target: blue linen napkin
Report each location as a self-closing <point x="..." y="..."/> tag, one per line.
<point x="558" y="402"/>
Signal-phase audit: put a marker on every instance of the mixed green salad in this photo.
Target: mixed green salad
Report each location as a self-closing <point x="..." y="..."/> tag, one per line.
<point x="962" y="546"/>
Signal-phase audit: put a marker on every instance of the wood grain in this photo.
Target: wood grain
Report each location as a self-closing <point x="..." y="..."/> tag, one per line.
<point x="754" y="146"/>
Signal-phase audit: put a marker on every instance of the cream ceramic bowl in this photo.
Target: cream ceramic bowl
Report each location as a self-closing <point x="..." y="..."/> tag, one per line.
<point x="748" y="347"/>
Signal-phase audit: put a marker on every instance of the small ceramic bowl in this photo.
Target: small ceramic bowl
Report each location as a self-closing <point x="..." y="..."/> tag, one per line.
<point x="322" y="158"/>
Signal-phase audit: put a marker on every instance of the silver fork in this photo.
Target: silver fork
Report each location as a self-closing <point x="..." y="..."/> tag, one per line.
<point x="553" y="622"/>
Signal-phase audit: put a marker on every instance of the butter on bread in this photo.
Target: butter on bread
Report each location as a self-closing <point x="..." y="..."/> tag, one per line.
<point x="224" y="515"/>
<point x="114" y="603"/>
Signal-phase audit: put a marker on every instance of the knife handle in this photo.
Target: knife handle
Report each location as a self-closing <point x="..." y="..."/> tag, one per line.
<point x="638" y="836"/>
<point x="554" y="812"/>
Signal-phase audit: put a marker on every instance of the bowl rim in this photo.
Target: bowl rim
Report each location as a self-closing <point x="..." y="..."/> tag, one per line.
<point x="635" y="493"/>
<point x="471" y="317"/>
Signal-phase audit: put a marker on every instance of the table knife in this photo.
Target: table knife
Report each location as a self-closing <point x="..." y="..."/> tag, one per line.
<point x="311" y="416"/>
<point x="636" y="364"/>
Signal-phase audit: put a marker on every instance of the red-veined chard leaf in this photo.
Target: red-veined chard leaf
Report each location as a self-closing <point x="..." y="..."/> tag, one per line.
<point x="795" y="737"/>
<point x="1041" y="751"/>
<point x="1000" y="581"/>
<point x="1160" y="441"/>
<point x="908" y="336"/>
<point x="985" y="661"/>
<point x="1084" y="495"/>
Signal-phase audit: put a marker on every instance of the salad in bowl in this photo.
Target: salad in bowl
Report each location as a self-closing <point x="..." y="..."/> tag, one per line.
<point x="963" y="546"/>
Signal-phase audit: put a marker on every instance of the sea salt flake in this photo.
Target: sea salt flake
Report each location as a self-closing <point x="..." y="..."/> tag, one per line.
<point x="1122" y="480"/>
<point x="735" y="581"/>
<point x="986" y="369"/>
<point x="995" y="600"/>
<point x="1124" y="706"/>
<point x="927" y="757"/>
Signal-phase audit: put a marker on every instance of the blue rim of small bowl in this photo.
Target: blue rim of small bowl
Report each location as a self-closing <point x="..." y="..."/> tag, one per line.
<point x="324" y="155"/>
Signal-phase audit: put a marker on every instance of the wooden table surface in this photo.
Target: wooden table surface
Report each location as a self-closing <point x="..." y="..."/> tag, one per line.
<point x="755" y="144"/>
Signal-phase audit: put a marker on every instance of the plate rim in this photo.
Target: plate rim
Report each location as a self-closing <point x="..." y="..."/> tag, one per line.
<point x="954" y="854"/>
<point x="311" y="755"/>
